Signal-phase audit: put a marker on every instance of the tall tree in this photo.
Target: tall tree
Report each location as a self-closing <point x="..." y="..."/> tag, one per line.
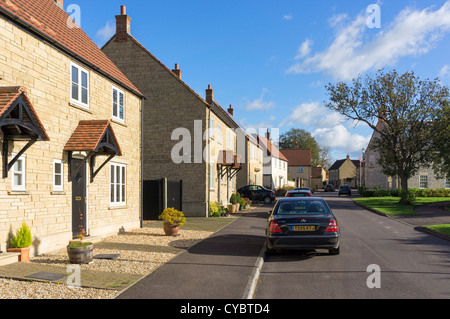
<point x="442" y="145"/>
<point x="299" y="138"/>
<point x="408" y="112"/>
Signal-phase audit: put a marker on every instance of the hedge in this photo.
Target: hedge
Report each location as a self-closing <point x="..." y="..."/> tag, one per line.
<point x="415" y="192"/>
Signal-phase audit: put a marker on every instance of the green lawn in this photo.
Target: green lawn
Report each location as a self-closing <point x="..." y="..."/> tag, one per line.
<point x="443" y="229"/>
<point x="391" y="205"/>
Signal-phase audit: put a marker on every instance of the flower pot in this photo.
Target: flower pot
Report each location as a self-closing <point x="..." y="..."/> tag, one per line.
<point x="81" y="255"/>
<point x="171" y="229"/>
<point x="237" y="207"/>
<point x="231" y="208"/>
<point x="24" y="253"/>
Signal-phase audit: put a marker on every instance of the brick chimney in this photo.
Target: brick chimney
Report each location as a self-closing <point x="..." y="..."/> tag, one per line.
<point x="123" y="25"/>
<point x="177" y="71"/>
<point x="59" y="3"/>
<point x="231" y="110"/>
<point x="209" y="95"/>
<point x="268" y="135"/>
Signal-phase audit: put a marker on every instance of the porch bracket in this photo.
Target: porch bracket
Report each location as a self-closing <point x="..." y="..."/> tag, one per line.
<point x="7" y="166"/>
<point x="92" y="164"/>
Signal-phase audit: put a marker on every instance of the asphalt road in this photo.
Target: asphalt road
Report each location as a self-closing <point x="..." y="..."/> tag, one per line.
<point x="412" y="264"/>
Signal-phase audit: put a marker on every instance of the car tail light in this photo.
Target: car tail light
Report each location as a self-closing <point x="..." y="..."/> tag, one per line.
<point x="309" y="194"/>
<point x="288" y="195"/>
<point x="332" y="227"/>
<point x="271" y="192"/>
<point x="274" y="228"/>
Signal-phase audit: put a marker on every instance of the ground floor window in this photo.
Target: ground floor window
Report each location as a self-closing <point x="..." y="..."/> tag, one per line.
<point x="18" y="174"/>
<point x="118" y="184"/>
<point x="57" y="175"/>
<point x="447" y="183"/>
<point x="423" y="181"/>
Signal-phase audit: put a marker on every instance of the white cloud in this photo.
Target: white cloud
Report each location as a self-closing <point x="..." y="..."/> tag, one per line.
<point x="312" y="115"/>
<point x="105" y="33"/>
<point x="288" y="17"/>
<point x="260" y="104"/>
<point x="445" y="71"/>
<point x="304" y="49"/>
<point x="339" y="138"/>
<point x="413" y="32"/>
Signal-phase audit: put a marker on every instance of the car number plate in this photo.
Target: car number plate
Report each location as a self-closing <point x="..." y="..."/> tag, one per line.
<point x="304" y="228"/>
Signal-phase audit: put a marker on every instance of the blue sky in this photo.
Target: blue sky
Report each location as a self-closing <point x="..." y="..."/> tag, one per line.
<point x="272" y="59"/>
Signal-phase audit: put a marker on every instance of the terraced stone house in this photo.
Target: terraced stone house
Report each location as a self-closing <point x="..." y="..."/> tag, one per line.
<point x="178" y="126"/>
<point x="70" y="127"/>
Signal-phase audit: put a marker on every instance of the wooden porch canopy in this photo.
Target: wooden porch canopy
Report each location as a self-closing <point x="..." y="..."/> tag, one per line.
<point x="18" y="122"/>
<point x="96" y="138"/>
<point x="228" y="164"/>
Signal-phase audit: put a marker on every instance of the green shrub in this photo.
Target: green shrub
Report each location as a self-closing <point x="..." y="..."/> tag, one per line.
<point x="22" y="239"/>
<point x="281" y="191"/>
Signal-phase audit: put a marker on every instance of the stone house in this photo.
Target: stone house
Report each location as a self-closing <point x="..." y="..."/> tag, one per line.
<point x="275" y="164"/>
<point x="185" y="137"/>
<point x="299" y="166"/>
<point x="251" y="156"/>
<point x="319" y="177"/>
<point x="70" y="131"/>
<point x="345" y="171"/>
<point x="374" y="177"/>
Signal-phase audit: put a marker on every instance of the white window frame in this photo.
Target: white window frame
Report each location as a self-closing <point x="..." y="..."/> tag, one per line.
<point x="211" y="128"/>
<point x="118" y="106"/>
<point x="219" y="133"/>
<point x="114" y="183"/>
<point x="420" y="181"/>
<point x="58" y="188"/>
<point x="14" y="187"/>
<point x="211" y="176"/>
<point x="78" y="101"/>
<point x="447" y="183"/>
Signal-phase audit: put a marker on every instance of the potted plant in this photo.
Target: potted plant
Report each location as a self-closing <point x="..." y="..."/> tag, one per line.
<point x="173" y="220"/>
<point x="79" y="251"/>
<point x="248" y="201"/>
<point x="234" y="200"/>
<point x="21" y="243"/>
<point x="243" y="203"/>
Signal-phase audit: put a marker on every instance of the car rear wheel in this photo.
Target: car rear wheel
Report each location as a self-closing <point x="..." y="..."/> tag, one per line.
<point x="334" y="251"/>
<point x="267" y="200"/>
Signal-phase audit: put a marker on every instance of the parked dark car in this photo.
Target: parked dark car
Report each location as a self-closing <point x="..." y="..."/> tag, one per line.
<point x="329" y="188"/>
<point x="345" y="189"/>
<point x="299" y="193"/>
<point x="305" y="223"/>
<point x="257" y="193"/>
<point x="305" y="189"/>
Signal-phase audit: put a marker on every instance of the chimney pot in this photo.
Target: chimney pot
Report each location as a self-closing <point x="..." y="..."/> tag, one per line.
<point x="177" y="71"/>
<point x="123" y="10"/>
<point x="231" y="110"/>
<point x="209" y="95"/>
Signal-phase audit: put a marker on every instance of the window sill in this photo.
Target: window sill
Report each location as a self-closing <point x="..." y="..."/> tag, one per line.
<point x="58" y="192"/>
<point x="18" y="192"/>
<point x="80" y="107"/>
<point x="113" y="207"/>
<point x="117" y="121"/>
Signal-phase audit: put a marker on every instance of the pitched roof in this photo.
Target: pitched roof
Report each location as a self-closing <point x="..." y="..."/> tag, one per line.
<point x="29" y="118"/>
<point x="90" y="136"/>
<point x="49" y="21"/>
<point x="339" y="163"/>
<point x="297" y="156"/>
<point x="272" y="149"/>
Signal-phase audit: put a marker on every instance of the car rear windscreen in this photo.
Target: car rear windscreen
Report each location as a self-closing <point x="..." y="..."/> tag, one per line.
<point x="302" y="207"/>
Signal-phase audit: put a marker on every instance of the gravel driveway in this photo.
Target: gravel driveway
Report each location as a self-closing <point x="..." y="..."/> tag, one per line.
<point x="141" y="251"/>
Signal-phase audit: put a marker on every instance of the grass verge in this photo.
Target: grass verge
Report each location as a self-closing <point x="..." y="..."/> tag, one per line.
<point x="442" y="229"/>
<point x="391" y="205"/>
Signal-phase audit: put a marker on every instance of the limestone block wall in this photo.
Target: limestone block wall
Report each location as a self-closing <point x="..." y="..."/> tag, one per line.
<point x="45" y="72"/>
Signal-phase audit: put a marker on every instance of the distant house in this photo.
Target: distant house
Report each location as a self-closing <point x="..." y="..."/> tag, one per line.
<point x="299" y="166"/>
<point x="374" y="177"/>
<point x="319" y="176"/>
<point x="275" y="164"/>
<point x="345" y="171"/>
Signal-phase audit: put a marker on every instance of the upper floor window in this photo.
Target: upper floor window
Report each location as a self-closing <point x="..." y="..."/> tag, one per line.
<point x="118" y="107"/>
<point x="80" y="86"/>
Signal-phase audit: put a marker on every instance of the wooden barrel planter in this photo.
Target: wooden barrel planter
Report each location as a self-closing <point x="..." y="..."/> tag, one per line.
<point x="82" y="254"/>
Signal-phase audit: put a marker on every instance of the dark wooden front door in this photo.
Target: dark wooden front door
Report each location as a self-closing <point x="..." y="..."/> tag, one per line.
<point x="79" y="200"/>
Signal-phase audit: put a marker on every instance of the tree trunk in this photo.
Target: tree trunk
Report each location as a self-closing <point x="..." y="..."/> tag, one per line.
<point x="405" y="198"/>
